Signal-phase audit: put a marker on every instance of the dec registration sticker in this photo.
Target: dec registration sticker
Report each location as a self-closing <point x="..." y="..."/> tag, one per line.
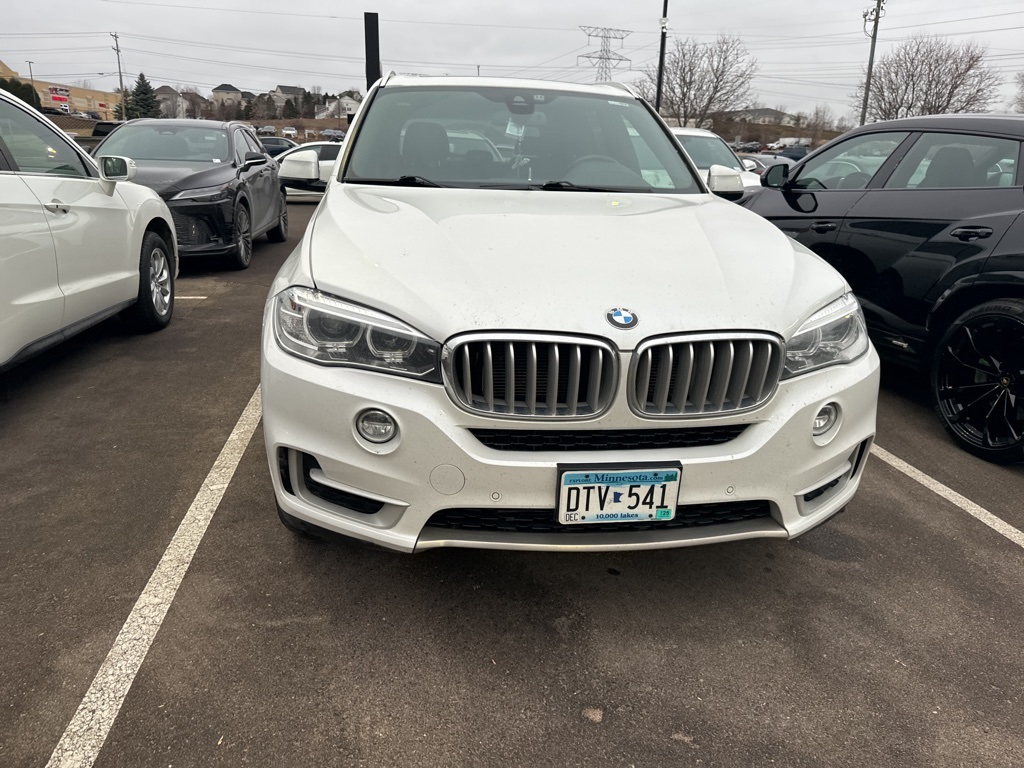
<point x="618" y="495"/>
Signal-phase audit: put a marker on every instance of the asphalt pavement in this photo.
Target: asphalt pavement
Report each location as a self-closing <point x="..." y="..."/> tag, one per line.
<point x="890" y="636"/>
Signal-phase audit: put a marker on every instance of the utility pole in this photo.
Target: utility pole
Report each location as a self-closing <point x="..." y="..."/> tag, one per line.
<point x="120" y="75"/>
<point x="606" y="55"/>
<point x="661" y="57"/>
<point x="871" y="16"/>
<point x="30" y="75"/>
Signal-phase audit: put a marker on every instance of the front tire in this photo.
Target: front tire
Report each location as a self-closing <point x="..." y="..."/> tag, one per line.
<point x="154" y="305"/>
<point x="280" y="231"/>
<point x="243" y="238"/>
<point x="978" y="381"/>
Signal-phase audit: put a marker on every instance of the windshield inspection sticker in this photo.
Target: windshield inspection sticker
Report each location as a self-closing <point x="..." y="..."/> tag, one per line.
<point x="515" y="130"/>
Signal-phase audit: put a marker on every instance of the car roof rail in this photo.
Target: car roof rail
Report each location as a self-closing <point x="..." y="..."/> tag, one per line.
<point x="623" y="87"/>
<point x="387" y="77"/>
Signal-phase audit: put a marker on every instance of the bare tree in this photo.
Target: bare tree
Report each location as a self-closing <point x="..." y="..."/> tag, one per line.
<point x="821" y="120"/>
<point x="1017" y="105"/>
<point x="702" y="78"/>
<point x="928" y="75"/>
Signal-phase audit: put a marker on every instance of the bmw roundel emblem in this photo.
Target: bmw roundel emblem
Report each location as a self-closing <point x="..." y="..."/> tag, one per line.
<point x="621" y="317"/>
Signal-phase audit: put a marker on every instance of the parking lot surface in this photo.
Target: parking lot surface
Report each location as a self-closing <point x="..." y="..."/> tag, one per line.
<point x="887" y="637"/>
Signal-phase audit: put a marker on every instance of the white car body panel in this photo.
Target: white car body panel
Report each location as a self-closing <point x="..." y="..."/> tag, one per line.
<point x="449" y="261"/>
<point x="31" y="303"/>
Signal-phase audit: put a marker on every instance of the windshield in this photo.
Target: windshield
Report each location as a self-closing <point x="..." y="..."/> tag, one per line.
<point x="706" y="151"/>
<point x="167" y="142"/>
<point x="518" y="138"/>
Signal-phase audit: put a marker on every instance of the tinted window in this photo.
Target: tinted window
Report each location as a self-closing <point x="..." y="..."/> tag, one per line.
<point x="251" y="144"/>
<point x="330" y="151"/>
<point x="35" y="147"/>
<point x="552" y="135"/>
<point x="850" y="164"/>
<point x="944" y="160"/>
<point x="171" y="142"/>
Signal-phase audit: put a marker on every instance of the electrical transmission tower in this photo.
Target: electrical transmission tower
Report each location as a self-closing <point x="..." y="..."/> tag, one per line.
<point x="605" y="59"/>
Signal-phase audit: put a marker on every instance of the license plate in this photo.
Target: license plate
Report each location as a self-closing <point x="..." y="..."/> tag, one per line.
<point x="644" y="494"/>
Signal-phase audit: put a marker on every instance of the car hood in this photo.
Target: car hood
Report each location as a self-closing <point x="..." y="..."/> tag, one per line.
<point x="166" y="178"/>
<point x="448" y="261"/>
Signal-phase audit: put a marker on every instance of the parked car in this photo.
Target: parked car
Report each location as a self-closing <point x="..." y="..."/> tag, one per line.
<point x="325" y="152"/>
<point x="578" y="348"/>
<point x="332" y="134"/>
<point x="795" y="152"/>
<point x="266" y="130"/>
<point x="764" y="162"/>
<point x="289" y="132"/>
<point x="78" y="242"/>
<point x="706" y="149"/>
<point x="275" y="145"/>
<point x="221" y="187"/>
<point x="925" y="219"/>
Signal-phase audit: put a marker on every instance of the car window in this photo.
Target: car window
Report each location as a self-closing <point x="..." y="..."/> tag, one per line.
<point x="329" y="151"/>
<point x="706" y="151"/>
<point x="35" y="147"/>
<point x="850" y="164"/>
<point x="240" y="147"/>
<point x="581" y="138"/>
<point x="945" y="160"/>
<point x="170" y="142"/>
<point x="251" y="143"/>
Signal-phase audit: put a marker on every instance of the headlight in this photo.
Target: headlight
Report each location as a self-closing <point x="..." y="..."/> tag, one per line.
<point x="329" y="331"/>
<point x="204" y="193"/>
<point x="832" y="335"/>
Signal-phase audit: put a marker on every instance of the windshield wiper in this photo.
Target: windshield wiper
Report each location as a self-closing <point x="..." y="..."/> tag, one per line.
<point x="568" y="186"/>
<point x="401" y="181"/>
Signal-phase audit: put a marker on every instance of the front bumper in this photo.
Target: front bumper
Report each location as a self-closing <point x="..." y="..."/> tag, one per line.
<point x="324" y="473"/>
<point x="204" y="228"/>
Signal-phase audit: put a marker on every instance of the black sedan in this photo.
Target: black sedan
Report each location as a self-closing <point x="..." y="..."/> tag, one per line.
<point x="221" y="187"/>
<point x="275" y="145"/>
<point x="925" y="218"/>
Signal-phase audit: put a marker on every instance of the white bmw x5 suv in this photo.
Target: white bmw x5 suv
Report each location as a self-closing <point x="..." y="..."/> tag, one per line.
<point x="578" y="347"/>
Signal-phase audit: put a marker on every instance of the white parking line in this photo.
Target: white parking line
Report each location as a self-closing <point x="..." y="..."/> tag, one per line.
<point x="83" y="738"/>
<point x="191" y="298"/>
<point x="968" y="506"/>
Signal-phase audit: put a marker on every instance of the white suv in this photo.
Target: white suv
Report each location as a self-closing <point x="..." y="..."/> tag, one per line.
<point x="575" y="347"/>
<point x="78" y="243"/>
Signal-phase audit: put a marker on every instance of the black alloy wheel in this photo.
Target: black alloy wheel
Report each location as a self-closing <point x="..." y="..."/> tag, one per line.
<point x="978" y="381"/>
<point x="243" y="238"/>
<point x="279" y="233"/>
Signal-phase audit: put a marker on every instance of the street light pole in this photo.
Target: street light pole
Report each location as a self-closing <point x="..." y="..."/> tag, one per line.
<point x="661" y="57"/>
<point x="32" y="77"/>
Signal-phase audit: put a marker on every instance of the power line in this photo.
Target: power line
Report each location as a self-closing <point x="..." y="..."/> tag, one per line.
<point x="605" y="56"/>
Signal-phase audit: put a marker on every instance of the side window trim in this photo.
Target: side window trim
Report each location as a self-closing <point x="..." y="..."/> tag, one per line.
<point x="879" y="176"/>
<point x="923" y="135"/>
<point x="886" y="169"/>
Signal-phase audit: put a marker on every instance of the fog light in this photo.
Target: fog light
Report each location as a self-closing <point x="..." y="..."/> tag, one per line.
<point x="376" y="426"/>
<point x="826" y="419"/>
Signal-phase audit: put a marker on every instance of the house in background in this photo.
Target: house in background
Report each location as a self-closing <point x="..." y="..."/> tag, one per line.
<point x="283" y="93"/>
<point x="760" y="115"/>
<point x="226" y="95"/>
<point x="171" y="103"/>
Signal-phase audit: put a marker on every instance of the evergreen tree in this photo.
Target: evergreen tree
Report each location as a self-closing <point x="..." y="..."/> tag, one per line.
<point x="143" y="102"/>
<point x="22" y="90"/>
<point x="289" y="111"/>
<point x="123" y="110"/>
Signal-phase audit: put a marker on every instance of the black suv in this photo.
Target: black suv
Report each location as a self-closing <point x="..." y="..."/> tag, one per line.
<point x="220" y="185"/>
<point x="925" y="218"/>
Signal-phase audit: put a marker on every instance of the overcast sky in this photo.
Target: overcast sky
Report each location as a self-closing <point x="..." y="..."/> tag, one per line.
<point x="809" y="52"/>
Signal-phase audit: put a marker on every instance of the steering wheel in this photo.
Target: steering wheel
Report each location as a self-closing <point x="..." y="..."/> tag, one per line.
<point x="589" y="159"/>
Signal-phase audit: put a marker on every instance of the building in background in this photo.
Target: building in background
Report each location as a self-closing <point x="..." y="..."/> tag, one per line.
<point x="69" y="99"/>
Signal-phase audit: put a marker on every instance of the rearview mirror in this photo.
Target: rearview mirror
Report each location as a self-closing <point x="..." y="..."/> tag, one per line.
<point x="300" y="169"/>
<point x="114" y="168"/>
<point x="725" y="182"/>
<point x="749" y="164"/>
<point x="775" y="176"/>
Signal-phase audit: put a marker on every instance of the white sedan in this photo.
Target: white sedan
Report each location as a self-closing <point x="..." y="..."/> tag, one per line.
<point x="582" y="347"/>
<point x="705" y="149"/>
<point x="78" y="242"/>
<point x="326" y="153"/>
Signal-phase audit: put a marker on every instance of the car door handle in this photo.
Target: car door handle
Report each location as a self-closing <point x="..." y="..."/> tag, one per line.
<point x="56" y="206"/>
<point x="966" y="234"/>
<point x="821" y="227"/>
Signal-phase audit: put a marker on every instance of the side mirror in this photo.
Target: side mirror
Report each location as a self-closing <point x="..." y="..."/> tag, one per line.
<point x="775" y="176"/>
<point x="749" y="164"/>
<point x="725" y="182"/>
<point x="114" y="168"/>
<point x="253" y="158"/>
<point x="300" y="169"/>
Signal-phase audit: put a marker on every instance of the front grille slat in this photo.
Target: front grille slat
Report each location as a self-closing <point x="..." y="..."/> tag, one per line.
<point x="534" y="440"/>
<point x="525" y="375"/>
<point x="546" y="520"/>
<point x="704" y="374"/>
